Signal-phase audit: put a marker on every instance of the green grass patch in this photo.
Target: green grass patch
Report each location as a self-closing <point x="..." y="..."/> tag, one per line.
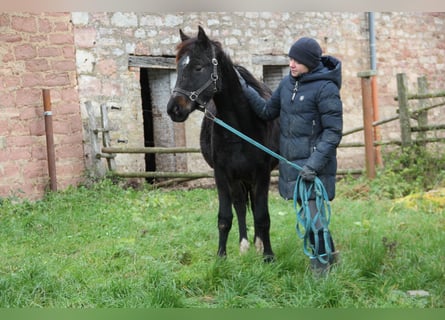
<point x="107" y="246"/>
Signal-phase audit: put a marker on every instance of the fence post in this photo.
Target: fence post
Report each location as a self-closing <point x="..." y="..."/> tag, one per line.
<point x="98" y="168"/>
<point x="367" y="121"/>
<point x="375" y="110"/>
<point x="47" y="112"/>
<point x="422" y="117"/>
<point x="106" y="141"/>
<point x="402" y="94"/>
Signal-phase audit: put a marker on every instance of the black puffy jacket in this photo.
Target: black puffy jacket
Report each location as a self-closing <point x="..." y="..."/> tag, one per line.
<point x="311" y="122"/>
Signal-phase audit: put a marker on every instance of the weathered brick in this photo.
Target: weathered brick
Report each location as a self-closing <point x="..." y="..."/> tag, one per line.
<point x="57" y="79"/>
<point x="28" y="96"/>
<point x="60" y="38"/>
<point x="34" y="170"/>
<point x="70" y="95"/>
<point x="8" y="169"/>
<point x="25" y="52"/>
<point x="4" y="20"/>
<point x="39" y="152"/>
<point x="38" y="39"/>
<point x="106" y="67"/>
<point x="19" y="153"/>
<point x="31" y="112"/>
<point x="8" y="37"/>
<point x="11" y="81"/>
<point x="63" y="65"/>
<point x="44" y="25"/>
<point x="37" y="65"/>
<point x="85" y="37"/>
<point x="69" y="52"/>
<point x="37" y="128"/>
<point x="49" y="52"/>
<point x="32" y="79"/>
<point x="25" y="24"/>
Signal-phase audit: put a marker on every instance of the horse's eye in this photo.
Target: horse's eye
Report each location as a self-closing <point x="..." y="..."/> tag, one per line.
<point x="198" y="68"/>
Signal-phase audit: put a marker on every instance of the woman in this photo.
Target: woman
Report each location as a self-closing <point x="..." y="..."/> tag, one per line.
<point x="311" y="120"/>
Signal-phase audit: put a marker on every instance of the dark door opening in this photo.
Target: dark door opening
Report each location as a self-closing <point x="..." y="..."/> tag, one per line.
<point x="147" y="114"/>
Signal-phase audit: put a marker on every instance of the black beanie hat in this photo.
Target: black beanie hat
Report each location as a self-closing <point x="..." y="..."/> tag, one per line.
<point x="306" y="51"/>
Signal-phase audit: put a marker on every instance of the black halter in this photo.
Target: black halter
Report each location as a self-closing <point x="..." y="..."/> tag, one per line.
<point x="194" y="95"/>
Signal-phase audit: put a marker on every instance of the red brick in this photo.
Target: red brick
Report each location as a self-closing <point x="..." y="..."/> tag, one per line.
<point x="19" y="154"/>
<point x="34" y="170"/>
<point x="39" y="152"/>
<point x="20" y="141"/>
<point x="61" y="26"/>
<point x="45" y="25"/>
<point x="37" y="65"/>
<point x="4" y="20"/>
<point x="64" y="65"/>
<point x="25" y="24"/>
<point x="9" y="169"/>
<point x="69" y="53"/>
<point x="10" y="37"/>
<point x="57" y="79"/>
<point x="32" y="79"/>
<point x="61" y="38"/>
<point x="28" y="96"/>
<point x="30" y="113"/>
<point x="70" y="95"/>
<point x="25" y="52"/>
<point x="37" y="128"/>
<point x="38" y="39"/>
<point x="4" y="130"/>
<point x="67" y="108"/>
<point x="11" y="81"/>
<point x="49" y="52"/>
<point x="72" y="139"/>
<point x="70" y="152"/>
<point x="8" y="57"/>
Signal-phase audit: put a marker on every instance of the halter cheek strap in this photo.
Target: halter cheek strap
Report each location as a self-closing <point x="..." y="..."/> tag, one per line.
<point x="194" y="95"/>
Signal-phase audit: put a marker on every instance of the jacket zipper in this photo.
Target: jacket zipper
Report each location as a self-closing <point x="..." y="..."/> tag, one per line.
<point x="294" y="91"/>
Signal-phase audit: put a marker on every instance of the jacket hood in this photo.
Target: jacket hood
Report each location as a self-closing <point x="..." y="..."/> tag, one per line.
<point x="328" y="69"/>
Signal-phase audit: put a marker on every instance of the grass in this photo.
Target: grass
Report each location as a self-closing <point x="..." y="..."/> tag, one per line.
<point x="107" y="246"/>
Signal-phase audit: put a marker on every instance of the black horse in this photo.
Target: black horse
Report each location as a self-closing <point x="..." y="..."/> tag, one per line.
<point x="207" y="80"/>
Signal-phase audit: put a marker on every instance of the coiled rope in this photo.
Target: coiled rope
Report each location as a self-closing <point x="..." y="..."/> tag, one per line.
<point x="302" y="191"/>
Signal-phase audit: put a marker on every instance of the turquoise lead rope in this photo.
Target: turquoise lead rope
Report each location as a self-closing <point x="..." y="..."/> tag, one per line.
<point x="302" y="191"/>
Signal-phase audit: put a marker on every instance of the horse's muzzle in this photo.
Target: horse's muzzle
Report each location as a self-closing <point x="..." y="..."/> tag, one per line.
<point x="179" y="108"/>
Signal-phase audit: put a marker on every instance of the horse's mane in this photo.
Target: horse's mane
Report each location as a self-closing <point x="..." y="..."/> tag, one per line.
<point x="259" y="86"/>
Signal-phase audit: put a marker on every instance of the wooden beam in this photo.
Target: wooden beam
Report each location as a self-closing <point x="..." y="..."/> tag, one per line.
<point x="156" y="62"/>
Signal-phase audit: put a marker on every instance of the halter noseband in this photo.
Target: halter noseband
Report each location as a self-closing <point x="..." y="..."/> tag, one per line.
<point x="194" y="95"/>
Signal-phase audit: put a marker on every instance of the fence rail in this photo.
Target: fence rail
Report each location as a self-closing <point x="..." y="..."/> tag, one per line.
<point x="372" y="141"/>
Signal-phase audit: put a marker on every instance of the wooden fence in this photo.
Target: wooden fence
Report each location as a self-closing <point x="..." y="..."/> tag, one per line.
<point x="370" y="127"/>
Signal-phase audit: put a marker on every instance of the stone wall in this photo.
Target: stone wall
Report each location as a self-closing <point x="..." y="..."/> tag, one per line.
<point x="412" y="43"/>
<point x="36" y="52"/>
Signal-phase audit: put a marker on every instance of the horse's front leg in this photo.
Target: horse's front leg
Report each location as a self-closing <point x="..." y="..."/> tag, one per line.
<point x="225" y="215"/>
<point x="239" y="196"/>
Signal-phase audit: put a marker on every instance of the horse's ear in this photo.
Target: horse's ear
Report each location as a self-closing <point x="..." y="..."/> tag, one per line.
<point x="202" y="34"/>
<point x="183" y="35"/>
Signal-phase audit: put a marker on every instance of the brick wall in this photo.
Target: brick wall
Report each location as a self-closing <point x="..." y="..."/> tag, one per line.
<point x="37" y="52"/>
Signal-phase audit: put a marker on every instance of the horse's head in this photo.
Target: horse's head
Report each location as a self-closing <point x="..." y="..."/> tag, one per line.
<point x="197" y="75"/>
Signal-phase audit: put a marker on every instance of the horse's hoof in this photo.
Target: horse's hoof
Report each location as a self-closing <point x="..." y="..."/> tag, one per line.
<point x="269" y="258"/>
